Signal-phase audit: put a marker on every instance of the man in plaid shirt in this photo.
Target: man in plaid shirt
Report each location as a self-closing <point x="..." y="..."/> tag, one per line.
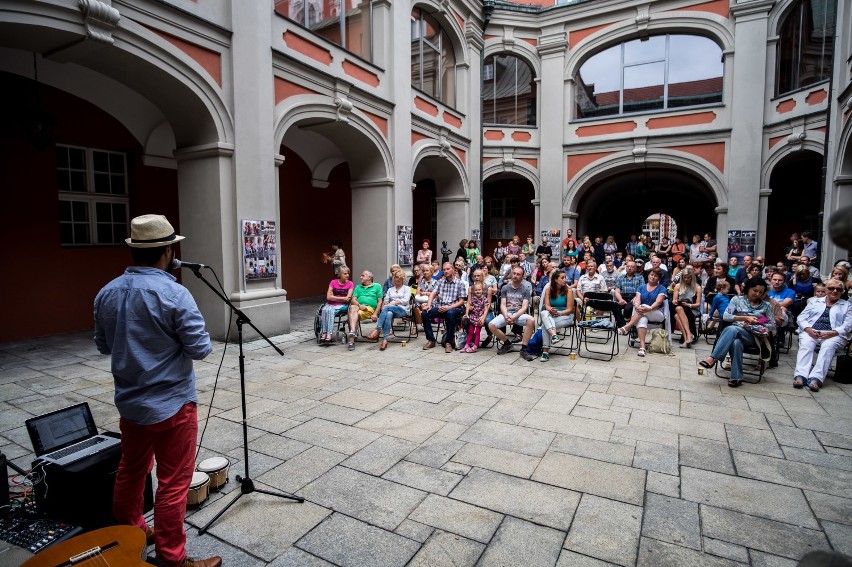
<point x="444" y="303"/>
<point x="626" y="286"/>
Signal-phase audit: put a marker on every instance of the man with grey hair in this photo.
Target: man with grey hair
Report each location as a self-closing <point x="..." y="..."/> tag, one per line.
<point x="366" y="302"/>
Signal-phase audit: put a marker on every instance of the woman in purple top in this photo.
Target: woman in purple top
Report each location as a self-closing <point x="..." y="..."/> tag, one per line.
<point x="336" y="299"/>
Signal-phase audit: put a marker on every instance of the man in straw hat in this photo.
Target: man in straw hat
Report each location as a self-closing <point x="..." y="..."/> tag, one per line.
<point x="151" y="326"/>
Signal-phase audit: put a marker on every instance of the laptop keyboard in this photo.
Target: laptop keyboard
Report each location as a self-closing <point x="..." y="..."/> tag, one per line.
<point x="75" y="448"/>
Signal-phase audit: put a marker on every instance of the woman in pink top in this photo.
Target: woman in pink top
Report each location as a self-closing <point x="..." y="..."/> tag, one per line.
<point x="336" y="299"/>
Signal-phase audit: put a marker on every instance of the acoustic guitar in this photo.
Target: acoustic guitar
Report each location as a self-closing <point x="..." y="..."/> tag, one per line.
<point x="117" y="546"/>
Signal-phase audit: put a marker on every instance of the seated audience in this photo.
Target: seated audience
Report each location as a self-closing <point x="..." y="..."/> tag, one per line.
<point x="336" y="298"/>
<point x="686" y="302"/>
<point x="396" y="303"/>
<point x="557" y="311"/>
<point x="476" y="313"/>
<point x="826" y="323"/>
<point x="514" y="304"/>
<point x="647" y="307"/>
<point x="445" y="302"/>
<point x="747" y="313"/>
<point x="365" y="304"/>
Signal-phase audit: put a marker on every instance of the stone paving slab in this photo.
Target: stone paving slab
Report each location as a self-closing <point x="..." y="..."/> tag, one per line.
<point x="405" y="426"/>
<point x="457" y="517"/>
<point x="672" y="520"/>
<point x="525" y="499"/>
<point x="605" y="529"/>
<point x="373" y="500"/>
<point x="443" y="549"/>
<point x="761" y="534"/>
<point x="592" y="477"/>
<point x="423" y="478"/>
<point x="524" y="440"/>
<point x="522" y="543"/>
<point x="515" y="464"/>
<point x="345" y="541"/>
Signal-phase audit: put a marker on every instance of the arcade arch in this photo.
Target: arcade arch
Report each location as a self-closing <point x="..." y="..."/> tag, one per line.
<point x="335" y="182"/>
<point x="795" y="182"/>
<point x="440" y="186"/>
<point x="139" y="97"/>
<point x="507" y="208"/>
<point x="618" y="202"/>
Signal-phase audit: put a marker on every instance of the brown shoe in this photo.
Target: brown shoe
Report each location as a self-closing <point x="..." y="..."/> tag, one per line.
<point x="428" y="345"/>
<point x="214" y="561"/>
<point x="448" y="347"/>
<point x="149" y="536"/>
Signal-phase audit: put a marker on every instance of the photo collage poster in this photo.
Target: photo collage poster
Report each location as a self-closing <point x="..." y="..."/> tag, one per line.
<point x="405" y="245"/>
<point x="741" y="243"/>
<point x="260" y="260"/>
<point x="554" y="240"/>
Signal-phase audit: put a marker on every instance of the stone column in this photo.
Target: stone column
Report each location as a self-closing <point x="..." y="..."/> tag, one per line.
<point x="373" y="229"/>
<point x="475" y="44"/>
<point x="552" y="46"/>
<point x="721" y="232"/>
<point x="763" y="208"/>
<point x="749" y="78"/>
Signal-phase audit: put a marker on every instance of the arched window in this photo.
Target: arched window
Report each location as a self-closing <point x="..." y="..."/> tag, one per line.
<point x="806" y="45"/>
<point x="508" y="91"/>
<point x="347" y="23"/>
<point x="433" y="62"/>
<point x="660" y="72"/>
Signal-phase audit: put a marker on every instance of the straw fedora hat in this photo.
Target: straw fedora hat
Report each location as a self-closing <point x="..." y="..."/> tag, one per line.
<point x="151" y="231"/>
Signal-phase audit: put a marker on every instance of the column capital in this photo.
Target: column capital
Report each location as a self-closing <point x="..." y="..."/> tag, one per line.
<point x="754" y="8"/>
<point x="552" y="44"/>
<point x="721" y="210"/>
<point x="215" y="149"/>
<point x="765" y="192"/>
<point x="570" y="215"/>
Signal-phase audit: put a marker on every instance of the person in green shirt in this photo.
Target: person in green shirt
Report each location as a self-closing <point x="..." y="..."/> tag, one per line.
<point x="366" y="302"/>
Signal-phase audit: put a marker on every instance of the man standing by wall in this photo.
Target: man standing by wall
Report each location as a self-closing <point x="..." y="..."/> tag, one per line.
<point x="151" y="326"/>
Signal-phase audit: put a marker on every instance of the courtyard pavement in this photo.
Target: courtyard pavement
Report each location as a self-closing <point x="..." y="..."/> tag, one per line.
<point x="423" y="458"/>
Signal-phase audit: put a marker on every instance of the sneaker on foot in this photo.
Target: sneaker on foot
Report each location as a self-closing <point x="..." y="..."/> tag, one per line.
<point x="487" y="341"/>
<point x="544" y="357"/>
<point x="555" y="339"/>
<point x="516" y="339"/>
<point x="504" y="348"/>
<point x="527" y="355"/>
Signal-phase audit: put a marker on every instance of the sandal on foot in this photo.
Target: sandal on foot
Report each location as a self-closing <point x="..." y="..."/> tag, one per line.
<point x="813" y="385"/>
<point x="799" y="382"/>
<point x="705" y="364"/>
<point x="623" y="330"/>
<point x="384" y="344"/>
<point x="640" y="352"/>
<point x="472" y="349"/>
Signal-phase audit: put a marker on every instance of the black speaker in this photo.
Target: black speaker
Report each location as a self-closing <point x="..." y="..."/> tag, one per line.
<point x="81" y="493"/>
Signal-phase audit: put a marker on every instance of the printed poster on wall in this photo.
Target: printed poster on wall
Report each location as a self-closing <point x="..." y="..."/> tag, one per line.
<point x="260" y="260"/>
<point x="554" y="240"/>
<point x="741" y="243"/>
<point x="404" y="245"/>
<point x="475" y="235"/>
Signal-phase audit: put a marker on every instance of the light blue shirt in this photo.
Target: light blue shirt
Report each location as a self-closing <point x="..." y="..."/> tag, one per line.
<point x="151" y="326"/>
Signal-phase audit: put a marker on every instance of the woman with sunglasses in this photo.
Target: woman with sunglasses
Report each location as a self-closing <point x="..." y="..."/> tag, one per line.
<point x="825" y="323"/>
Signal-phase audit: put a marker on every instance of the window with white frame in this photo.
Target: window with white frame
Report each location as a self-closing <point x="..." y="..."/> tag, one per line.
<point x="662" y="72"/>
<point x="502" y="219"/>
<point x="347" y="23"/>
<point x="433" y="61"/>
<point x="93" y="202"/>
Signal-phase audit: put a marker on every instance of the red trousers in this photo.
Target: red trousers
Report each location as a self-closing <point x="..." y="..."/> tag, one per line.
<point x="172" y="444"/>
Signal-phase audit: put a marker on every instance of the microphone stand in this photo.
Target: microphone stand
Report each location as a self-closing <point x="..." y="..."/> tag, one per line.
<point x="246" y="483"/>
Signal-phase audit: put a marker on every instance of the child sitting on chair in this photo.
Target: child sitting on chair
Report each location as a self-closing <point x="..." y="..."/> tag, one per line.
<point x="717" y="308"/>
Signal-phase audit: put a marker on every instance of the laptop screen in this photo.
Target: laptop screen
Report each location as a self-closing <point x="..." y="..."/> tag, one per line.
<point x="61" y="428"/>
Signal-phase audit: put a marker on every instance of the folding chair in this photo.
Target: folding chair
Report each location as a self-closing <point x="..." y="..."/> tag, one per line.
<point x="597" y="325"/>
<point x="404" y="328"/>
<point x="753" y="365"/>
<point x="666" y="323"/>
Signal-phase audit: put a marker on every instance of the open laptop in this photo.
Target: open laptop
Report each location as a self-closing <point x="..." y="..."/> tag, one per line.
<point x="67" y="435"/>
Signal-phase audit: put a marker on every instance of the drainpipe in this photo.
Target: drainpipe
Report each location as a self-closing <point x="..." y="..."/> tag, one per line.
<point x="487" y="10"/>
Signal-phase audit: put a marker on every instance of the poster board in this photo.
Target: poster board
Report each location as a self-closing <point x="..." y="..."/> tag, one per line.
<point x="554" y="240"/>
<point x="741" y="243"/>
<point x="404" y="245"/>
<point x="260" y="250"/>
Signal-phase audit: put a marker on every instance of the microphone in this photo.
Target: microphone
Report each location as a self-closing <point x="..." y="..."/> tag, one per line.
<point x="181" y="264"/>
